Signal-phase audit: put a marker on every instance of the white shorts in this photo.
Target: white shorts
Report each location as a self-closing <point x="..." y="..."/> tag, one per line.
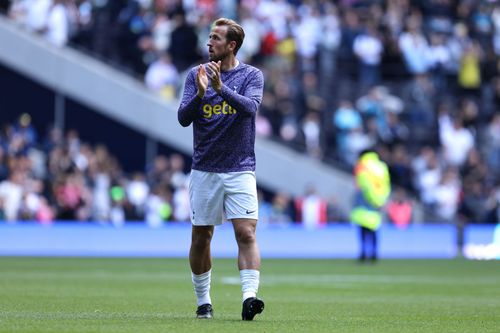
<point x="216" y="197"/>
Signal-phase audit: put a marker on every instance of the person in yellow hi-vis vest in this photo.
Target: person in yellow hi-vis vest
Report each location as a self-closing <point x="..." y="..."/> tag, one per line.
<point x="373" y="190"/>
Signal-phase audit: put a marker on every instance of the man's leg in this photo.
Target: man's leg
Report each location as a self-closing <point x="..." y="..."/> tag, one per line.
<point x="363" y="238"/>
<point x="201" y="268"/>
<point x="249" y="266"/>
<point x="374" y="255"/>
<point x="248" y="251"/>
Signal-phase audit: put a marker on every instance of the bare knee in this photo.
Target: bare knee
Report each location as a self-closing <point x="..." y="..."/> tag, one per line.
<point x="201" y="237"/>
<point x="245" y="236"/>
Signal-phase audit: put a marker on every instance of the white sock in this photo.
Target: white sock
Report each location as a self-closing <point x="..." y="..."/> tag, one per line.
<point x="201" y="285"/>
<point x="249" y="282"/>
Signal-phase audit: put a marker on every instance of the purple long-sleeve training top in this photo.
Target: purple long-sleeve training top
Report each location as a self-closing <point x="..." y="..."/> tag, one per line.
<point x="223" y="124"/>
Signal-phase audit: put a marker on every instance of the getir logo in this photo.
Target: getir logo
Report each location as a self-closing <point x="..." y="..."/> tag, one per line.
<point x="209" y="110"/>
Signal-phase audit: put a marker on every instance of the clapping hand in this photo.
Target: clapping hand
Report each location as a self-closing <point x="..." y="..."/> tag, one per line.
<point x="213" y="72"/>
<point x="201" y="81"/>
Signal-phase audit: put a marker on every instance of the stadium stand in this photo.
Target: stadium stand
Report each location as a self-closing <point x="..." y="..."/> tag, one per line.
<point x="120" y="97"/>
<point x="418" y="79"/>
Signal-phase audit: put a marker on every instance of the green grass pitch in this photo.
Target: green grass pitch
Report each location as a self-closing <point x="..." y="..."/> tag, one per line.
<point x="155" y="295"/>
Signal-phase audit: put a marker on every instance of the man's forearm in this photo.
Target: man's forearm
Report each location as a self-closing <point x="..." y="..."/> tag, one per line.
<point x="239" y="102"/>
<point x="187" y="112"/>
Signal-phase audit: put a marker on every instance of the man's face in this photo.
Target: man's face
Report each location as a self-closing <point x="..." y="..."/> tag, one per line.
<point x="218" y="46"/>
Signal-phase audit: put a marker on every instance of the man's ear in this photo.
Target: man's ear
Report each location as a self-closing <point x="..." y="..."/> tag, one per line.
<point x="232" y="45"/>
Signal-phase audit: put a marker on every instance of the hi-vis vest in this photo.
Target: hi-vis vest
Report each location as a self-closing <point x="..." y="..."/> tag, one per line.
<point x="374" y="185"/>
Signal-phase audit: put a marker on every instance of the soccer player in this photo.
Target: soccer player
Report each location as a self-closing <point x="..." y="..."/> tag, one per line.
<point x="221" y="99"/>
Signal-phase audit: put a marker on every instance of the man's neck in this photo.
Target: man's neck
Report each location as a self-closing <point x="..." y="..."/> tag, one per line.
<point x="229" y="63"/>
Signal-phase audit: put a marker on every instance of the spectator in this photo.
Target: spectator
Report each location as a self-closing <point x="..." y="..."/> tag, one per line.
<point x="335" y="214"/>
<point x="368" y="48"/>
<point x="457" y="43"/>
<point x="399" y="209"/>
<point x="427" y="172"/>
<point x="311" y="128"/>
<point x="281" y="210"/>
<point x="4" y="172"/>
<point x="24" y="128"/>
<point x="397" y="132"/>
<point x="469" y="112"/>
<point x="31" y="14"/>
<point x="328" y="47"/>
<point x="469" y="73"/>
<point x="157" y="208"/>
<point x="420" y="96"/>
<point x="45" y="213"/>
<point x="457" y="141"/>
<point x="472" y="205"/>
<point x="438" y="56"/>
<point x="54" y="139"/>
<point x="101" y="201"/>
<point x="491" y="144"/>
<point x="262" y="126"/>
<point x="34" y="206"/>
<point x="311" y="209"/>
<point x="137" y="191"/>
<point x="184" y="42"/>
<point x="265" y="209"/>
<point x="2" y="209"/>
<point x="349" y="30"/>
<point x="307" y="34"/>
<point x="356" y="141"/>
<point x="73" y="198"/>
<point x="446" y="196"/>
<point x="345" y="119"/>
<point x="400" y="168"/>
<point x="253" y="34"/>
<point x="482" y="24"/>
<point x="414" y="46"/>
<point x="181" y="205"/>
<point x="178" y="177"/>
<point x="57" y="26"/>
<point x="11" y="194"/>
<point x="162" y="77"/>
<point x="159" y="172"/>
<point x="372" y="108"/>
<point x="117" y="212"/>
<point x="493" y="206"/>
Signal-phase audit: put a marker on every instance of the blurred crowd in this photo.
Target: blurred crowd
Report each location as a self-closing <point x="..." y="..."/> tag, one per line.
<point x="60" y="177"/>
<point x="419" y="80"/>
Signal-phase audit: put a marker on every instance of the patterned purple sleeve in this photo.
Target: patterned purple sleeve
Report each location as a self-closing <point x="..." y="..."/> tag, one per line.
<point x="190" y="103"/>
<point x="253" y="95"/>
